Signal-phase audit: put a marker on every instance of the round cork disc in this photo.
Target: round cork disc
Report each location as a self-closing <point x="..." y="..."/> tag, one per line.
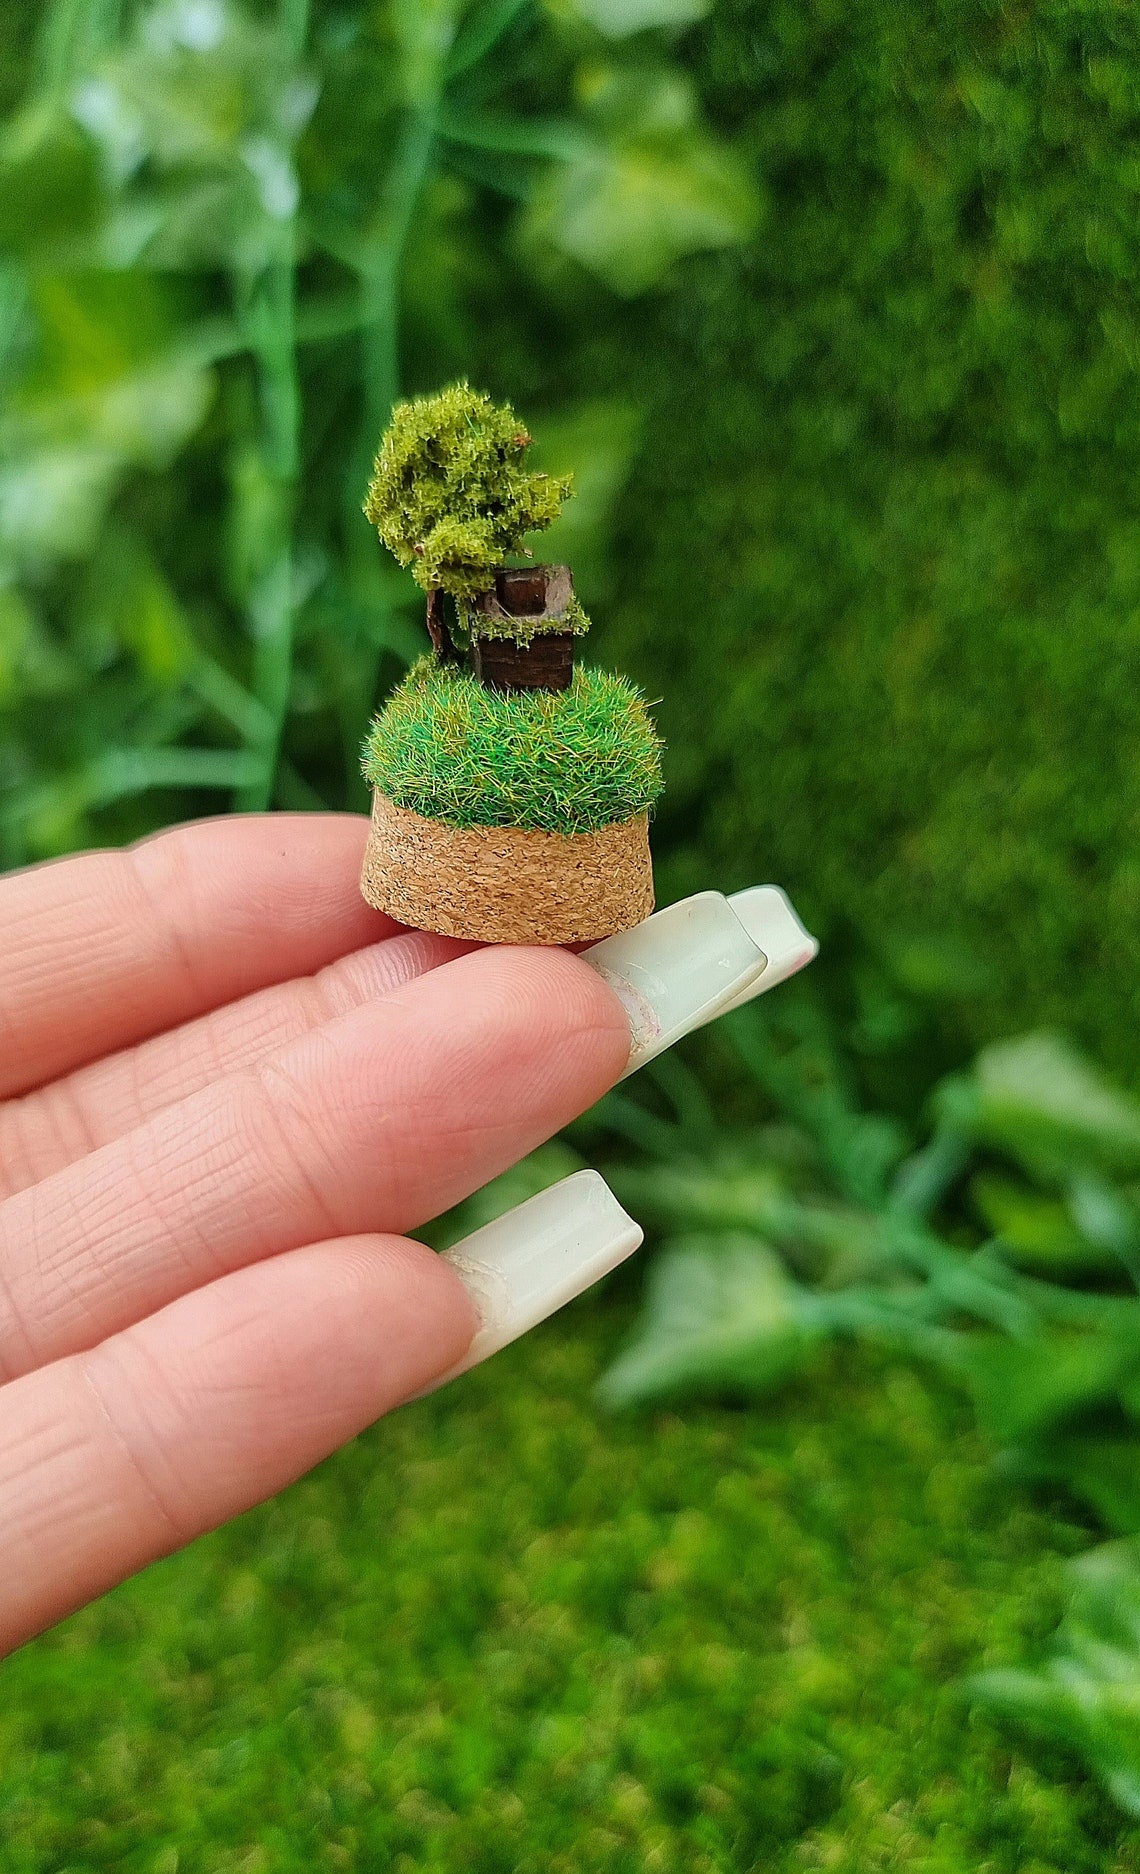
<point x="503" y="884"/>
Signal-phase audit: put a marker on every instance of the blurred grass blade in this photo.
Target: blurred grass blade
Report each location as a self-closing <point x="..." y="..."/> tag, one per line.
<point x="480" y="33"/>
<point x="922" y="1181"/>
<point x="806" y="1080"/>
<point x="229" y="698"/>
<point x="1026" y="1388"/>
<point x="554" y="139"/>
<point x="619" y="19"/>
<point x="132" y="771"/>
<point x="1037" y="1230"/>
<point x="687" y="1096"/>
<point x="1101" y="1471"/>
<point x="1108" y="1220"/>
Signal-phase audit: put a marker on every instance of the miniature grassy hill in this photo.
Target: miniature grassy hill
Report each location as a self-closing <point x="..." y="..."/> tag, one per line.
<point x="567" y="761"/>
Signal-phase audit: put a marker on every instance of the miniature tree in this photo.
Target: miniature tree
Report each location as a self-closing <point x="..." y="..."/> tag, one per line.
<point x="511" y="792"/>
<point x="451" y="498"/>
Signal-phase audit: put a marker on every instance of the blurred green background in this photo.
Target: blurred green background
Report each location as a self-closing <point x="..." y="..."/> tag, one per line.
<point x="832" y="311"/>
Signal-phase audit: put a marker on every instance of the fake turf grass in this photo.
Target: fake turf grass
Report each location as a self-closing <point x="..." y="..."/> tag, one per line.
<point x="567" y="761"/>
<point x="505" y="1634"/>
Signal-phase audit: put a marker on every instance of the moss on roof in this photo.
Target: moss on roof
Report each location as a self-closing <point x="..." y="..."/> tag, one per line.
<point x="566" y="761"/>
<point x="524" y="630"/>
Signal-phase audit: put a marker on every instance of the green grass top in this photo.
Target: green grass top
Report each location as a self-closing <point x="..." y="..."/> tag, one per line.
<point x="567" y="761"/>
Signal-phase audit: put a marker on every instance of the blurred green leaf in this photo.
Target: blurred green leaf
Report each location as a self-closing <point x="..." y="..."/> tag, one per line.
<point x="135" y="606"/>
<point x="201" y="83"/>
<point x="1044" y="1103"/>
<point x="53" y="498"/>
<point x="594" y="442"/>
<point x="20" y="641"/>
<point x="1101" y="1470"/>
<point x="114" y="385"/>
<point x="62" y="459"/>
<point x="425" y="32"/>
<point x="794" y="1059"/>
<point x="1108" y="1219"/>
<point x="481" y="31"/>
<point x="922" y="1182"/>
<point x="1086" y="1695"/>
<point x="732" y="1191"/>
<point x="50" y="189"/>
<point x="1024" y="1389"/>
<point x="197" y="118"/>
<point x="617" y="19"/>
<point x="719" y="1316"/>
<point x="1038" y="1229"/>
<point x="655" y="185"/>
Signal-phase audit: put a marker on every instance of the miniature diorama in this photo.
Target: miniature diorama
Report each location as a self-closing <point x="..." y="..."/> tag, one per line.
<point x="512" y="785"/>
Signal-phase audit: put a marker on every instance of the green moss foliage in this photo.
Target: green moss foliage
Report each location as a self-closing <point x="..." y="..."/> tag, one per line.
<point x="505" y="1632"/>
<point x="890" y="464"/>
<point x="573" y="619"/>
<point x="449" y="495"/>
<point x="565" y="761"/>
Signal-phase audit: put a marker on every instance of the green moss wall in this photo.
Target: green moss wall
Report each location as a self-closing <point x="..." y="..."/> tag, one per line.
<point x="882" y="550"/>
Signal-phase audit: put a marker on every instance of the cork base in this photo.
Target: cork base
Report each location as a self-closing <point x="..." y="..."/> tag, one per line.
<point x="501" y="884"/>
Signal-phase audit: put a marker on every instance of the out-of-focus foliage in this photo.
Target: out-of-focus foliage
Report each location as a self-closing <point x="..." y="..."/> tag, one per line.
<point x="878" y="550"/>
<point x="222" y="230"/>
<point x="1003" y="1246"/>
<point x="882" y="441"/>
<point x="647" y="186"/>
<point x="1086" y="1697"/>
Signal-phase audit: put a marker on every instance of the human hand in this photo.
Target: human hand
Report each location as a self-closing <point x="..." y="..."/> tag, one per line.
<point x="227" y="1087"/>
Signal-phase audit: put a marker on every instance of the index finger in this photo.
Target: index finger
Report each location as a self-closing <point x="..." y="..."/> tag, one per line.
<point x="103" y="950"/>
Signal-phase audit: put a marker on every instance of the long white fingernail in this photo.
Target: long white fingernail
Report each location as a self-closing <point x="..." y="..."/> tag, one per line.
<point x="535" y="1259"/>
<point x="769" y="917"/>
<point x="677" y="970"/>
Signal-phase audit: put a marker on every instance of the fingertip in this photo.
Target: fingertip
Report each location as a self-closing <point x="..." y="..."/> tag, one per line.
<point x="424" y="1296"/>
<point x="561" y="1002"/>
<point x="602" y="1013"/>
